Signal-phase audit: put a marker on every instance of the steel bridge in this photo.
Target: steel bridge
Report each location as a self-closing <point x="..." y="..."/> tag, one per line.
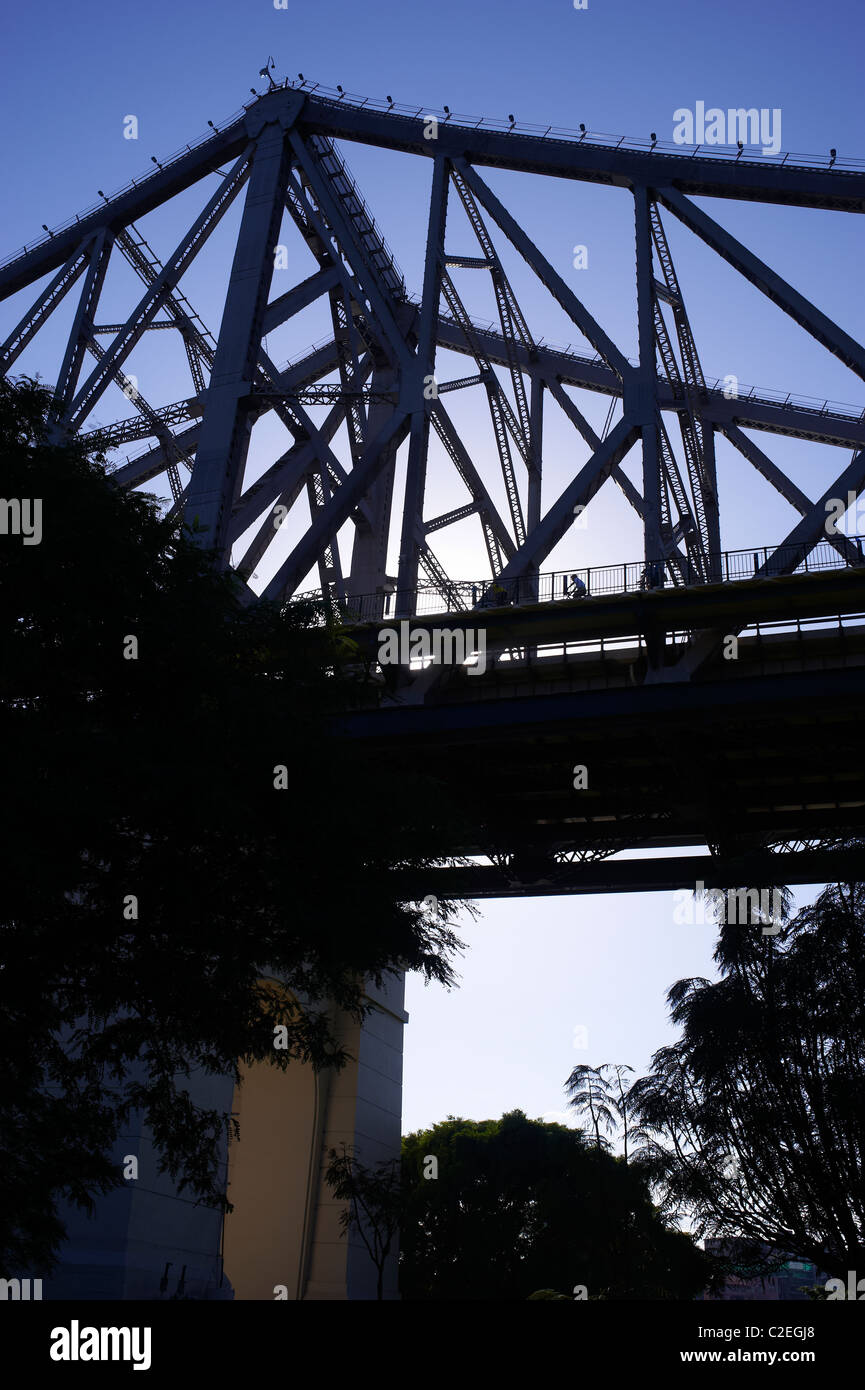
<point x="759" y="758"/>
<point x="710" y="700"/>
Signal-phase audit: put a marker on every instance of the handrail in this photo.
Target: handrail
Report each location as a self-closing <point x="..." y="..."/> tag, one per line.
<point x="729" y="566"/>
<point x="767" y="395"/>
<point x="126" y="188"/>
<point x="561" y="134"/>
<point x="599" y="139"/>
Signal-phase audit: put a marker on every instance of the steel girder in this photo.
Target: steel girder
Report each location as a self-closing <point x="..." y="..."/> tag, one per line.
<point x="752" y="181"/>
<point x="375" y="374"/>
<point x="651" y="875"/>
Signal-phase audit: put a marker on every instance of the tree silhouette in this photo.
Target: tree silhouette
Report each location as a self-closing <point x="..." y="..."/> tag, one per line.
<point x="519" y="1206"/>
<point x="753" y="1123"/>
<point x="604" y="1100"/>
<point x="375" y="1202"/>
<point x="168" y="900"/>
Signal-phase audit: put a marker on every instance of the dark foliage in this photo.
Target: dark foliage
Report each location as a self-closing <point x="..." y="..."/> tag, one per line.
<point x="520" y="1205"/>
<point x="153" y="779"/>
<point x="753" y="1123"/>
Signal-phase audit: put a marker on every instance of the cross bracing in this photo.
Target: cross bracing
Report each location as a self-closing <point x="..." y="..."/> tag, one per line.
<point x="369" y="394"/>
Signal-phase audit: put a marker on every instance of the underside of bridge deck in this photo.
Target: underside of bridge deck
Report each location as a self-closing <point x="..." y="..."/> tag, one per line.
<point x="571" y="747"/>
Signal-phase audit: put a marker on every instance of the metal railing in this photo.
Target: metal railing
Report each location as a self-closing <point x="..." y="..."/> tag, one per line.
<point x="595" y="581"/>
<point x="718" y="386"/>
<point x="726" y="154"/>
<point x="606" y="660"/>
<point x="337" y="170"/>
<point x="126" y="187"/>
<point x="562" y="134"/>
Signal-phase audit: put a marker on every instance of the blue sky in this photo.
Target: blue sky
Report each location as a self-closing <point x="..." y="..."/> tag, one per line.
<point x="536" y="970"/>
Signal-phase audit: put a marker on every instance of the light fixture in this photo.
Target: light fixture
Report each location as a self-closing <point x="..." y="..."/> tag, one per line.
<point x="265" y="72"/>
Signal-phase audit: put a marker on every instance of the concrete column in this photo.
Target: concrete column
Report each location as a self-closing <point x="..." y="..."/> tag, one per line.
<point x="148" y="1241"/>
<point x="145" y="1240"/>
<point x="284" y="1234"/>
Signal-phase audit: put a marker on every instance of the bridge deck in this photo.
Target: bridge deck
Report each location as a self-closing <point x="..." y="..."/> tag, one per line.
<point x="746" y="754"/>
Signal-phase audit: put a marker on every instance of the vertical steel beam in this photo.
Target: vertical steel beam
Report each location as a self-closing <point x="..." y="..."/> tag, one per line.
<point x="535" y="461"/>
<point x="536" y="434"/>
<point x="412" y="518"/>
<point x="369" y="550"/>
<point x="330" y="575"/>
<point x="228" y="410"/>
<point x="710" y="498"/>
<point x="82" y="324"/>
<point x="641" y="393"/>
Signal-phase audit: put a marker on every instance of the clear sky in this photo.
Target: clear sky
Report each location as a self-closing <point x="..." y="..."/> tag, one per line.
<point x="536" y="970"/>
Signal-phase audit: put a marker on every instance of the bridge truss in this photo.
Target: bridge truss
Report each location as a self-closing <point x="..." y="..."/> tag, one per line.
<point x="280" y="159"/>
<point x="377" y="371"/>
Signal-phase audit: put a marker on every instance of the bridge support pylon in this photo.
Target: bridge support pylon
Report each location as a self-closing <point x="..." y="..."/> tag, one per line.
<point x="284" y="1240"/>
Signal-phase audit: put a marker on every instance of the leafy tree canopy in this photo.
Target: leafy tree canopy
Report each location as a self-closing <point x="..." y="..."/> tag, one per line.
<point x="522" y="1205"/>
<point x="753" y="1123"/>
<point x="155" y="873"/>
